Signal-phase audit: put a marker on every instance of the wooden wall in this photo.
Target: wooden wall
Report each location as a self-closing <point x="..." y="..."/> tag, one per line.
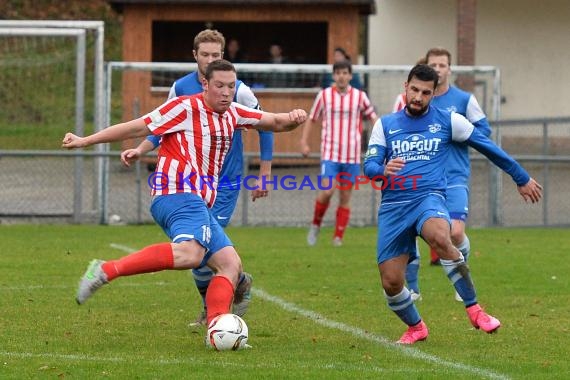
<point x="343" y="24"/>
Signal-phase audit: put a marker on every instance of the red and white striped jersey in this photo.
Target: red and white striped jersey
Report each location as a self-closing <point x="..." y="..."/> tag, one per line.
<point x="342" y="116"/>
<point x="400" y="102"/>
<point x="195" y="140"/>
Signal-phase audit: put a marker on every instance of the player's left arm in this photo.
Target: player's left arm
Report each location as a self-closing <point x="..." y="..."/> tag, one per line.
<point x="477" y="117"/>
<point x="464" y="131"/>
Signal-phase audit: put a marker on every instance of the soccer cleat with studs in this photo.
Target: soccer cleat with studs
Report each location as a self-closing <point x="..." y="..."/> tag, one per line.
<point x="313" y="234"/>
<point x="415" y="296"/>
<point x="481" y="320"/>
<point x="242" y="295"/>
<point x="337" y="241"/>
<point x="414" y="334"/>
<point x="92" y="279"/>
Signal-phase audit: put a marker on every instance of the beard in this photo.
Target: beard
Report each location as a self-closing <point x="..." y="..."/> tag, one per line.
<point x="416" y="112"/>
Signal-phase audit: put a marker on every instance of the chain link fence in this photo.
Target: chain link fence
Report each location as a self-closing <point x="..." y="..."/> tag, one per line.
<point x="89" y="186"/>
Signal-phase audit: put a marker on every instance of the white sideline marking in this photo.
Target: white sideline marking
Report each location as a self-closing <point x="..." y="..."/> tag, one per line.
<point x="321" y="320"/>
<point x="406" y="350"/>
<point x="123" y="248"/>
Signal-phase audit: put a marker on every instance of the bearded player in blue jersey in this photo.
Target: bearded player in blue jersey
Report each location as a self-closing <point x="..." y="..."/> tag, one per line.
<point x="208" y="47"/>
<point x="410" y="148"/>
<point x="458" y="166"/>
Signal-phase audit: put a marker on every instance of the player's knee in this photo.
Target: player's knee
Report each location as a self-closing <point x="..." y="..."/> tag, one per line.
<point x="457" y="237"/>
<point x="439" y="241"/>
<point x="325" y="196"/>
<point x="392" y="284"/>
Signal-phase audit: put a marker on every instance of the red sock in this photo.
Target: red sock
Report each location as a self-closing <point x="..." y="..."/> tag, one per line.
<point x="433" y="254"/>
<point x="342" y="217"/>
<point x="153" y="258"/>
<point x="219" y="297"/>
<point x="320" y="210"/>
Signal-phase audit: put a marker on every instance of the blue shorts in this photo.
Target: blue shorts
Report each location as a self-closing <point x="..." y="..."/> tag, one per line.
<point x="458" y="202"/>
<point x="400" y="223"/>
<point x="225" y="205"/>
<point x="347" y="172"/>
<point x="185" y="216"/>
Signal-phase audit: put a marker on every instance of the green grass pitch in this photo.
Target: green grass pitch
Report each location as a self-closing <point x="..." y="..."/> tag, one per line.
<point x="316" y="313"/>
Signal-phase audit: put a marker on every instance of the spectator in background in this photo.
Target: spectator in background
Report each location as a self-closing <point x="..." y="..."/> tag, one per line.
<point x="234" y="53"/>
<point x="276" y="79"/>
<point x="276" y="54"/>
<point x="338" y="56"/>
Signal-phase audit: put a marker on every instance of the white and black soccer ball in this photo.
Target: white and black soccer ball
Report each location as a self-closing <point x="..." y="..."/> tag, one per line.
<point x="227" y="332"/>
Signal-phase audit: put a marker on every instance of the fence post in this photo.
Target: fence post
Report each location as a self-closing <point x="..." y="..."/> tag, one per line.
<point x="243" y="193"/>
<point x="546" y="173"/>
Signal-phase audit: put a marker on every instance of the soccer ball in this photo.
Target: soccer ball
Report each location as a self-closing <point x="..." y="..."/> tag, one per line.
<point x="115" y="220"/>
<point x="227" y="332"/>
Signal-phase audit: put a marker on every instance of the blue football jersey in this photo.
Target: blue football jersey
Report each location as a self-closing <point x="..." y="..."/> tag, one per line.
<point x="464" y="103"/>
<point x="424" y="142"/>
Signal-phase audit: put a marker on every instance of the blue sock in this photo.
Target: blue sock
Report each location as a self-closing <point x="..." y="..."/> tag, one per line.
<point x="412" y="275"/>
<point x="404" y="307"/>
<point x="458" y="273"/>
<point x="465" y="248"/>
<point x="202" y="277"/>
<point x="412" y="270"/>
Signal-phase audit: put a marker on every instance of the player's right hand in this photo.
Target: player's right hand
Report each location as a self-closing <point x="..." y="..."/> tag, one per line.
<point x="71" y="141"/>
<point x="531" y="191"/>
<point x="394" y="166"/>
<point x="129" y="156"/>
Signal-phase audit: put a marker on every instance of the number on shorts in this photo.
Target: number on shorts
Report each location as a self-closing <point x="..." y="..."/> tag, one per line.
<point x="206" y="233"/>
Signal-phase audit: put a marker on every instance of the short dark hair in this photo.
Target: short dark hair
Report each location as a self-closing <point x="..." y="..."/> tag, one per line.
<point x="218" y="65"/>
<point x="344" y="64"/>
<point x="343" y="52"/>
<point x="423" y="73"/>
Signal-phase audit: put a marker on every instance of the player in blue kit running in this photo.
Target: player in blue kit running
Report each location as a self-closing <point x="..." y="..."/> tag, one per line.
<point x="411" y="149"/>
<point x="208" y="47"/>
<point x="457" y="166"/>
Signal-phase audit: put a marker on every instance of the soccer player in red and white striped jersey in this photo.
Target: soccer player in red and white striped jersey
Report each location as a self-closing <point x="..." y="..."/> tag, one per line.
<point x="197" y="133"/>
<point x="194" y="144"/>
<point x="341" y="109"/>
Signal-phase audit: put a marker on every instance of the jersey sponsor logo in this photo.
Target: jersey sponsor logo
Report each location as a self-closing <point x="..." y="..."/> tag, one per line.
<point x="452" y="109"/>
<point x="415" y="144"/>
<point x="392" y="131"/>
<point x="434" y="128"/>
<point x="441" y="213"/>
<point x="222" y="217"/>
